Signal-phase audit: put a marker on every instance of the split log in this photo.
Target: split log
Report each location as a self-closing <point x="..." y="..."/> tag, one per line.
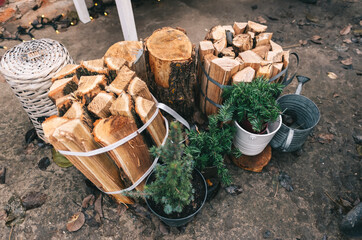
<point x="95" y="66"/>
<point x="275" y="47"/>
<point x="263" y="39"/>
<point x="245" y="75"/>
<point x="101" y="103"/>
<point x="204" y="81"/>
<point x="220" y="45"/>
<point x="216" y="33"/>
<point x="239" y="27"/>
<point x="265" y="70"/>
<point x="274" y="56"/>
<point x="285" y="59"/>
<point x="277" y="68"/>
<point x="123" y="106"/>
<point x="120" y="84"/>
<point x="205" y="47"/>
<point x="63" y="87"/>
<point x="221" y="70"/>
<point x="241" y="62"/>
<point x="252" y="35"/>
<point x="73" y="135"/>
<point x="66" y="72"/>
<point x="114" y="64"/>
<point x="251" y="59"/>
<point x="79" y="111"/>
<point x="133" y="156"/>
<point x="137" y="87"/>
<point x="228" y="52"/>
<point x="255" y="27"/>
<point x="171" y="60"/>
<point x="64" y="103"/>
<point x="229" y="28"/>
<point x="132" y="52"/>
<point x="242" y="42"/>
<point x="262" y="51"/>
<point x="89" y="87"/>
<point x="145" y="109"/>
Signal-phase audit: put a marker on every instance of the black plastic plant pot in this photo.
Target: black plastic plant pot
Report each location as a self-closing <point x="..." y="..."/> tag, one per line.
<point x="178" y="222"/>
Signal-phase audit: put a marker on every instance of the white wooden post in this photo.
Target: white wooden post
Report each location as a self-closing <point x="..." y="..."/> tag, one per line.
<point x="82" y="10"/>
<point x="125" y="13"/>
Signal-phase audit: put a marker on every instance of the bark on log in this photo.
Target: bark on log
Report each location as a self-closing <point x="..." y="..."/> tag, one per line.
<point x="89" y="87"/>
<point x="137" y="87"/>
<point x="101" y="103"/>
<point x="171" y="60"/>
<point x="120" y="84"/>
<point x="245" y="75"/>
<point x="67" y="71"/>
<point x="79" y="111"/>
<point x="63" y="87"/>
<point x="145" y="109"/>
<point x="133" y="156"/>
<point x="73" y="135"/>
<point x="221" y="70"/>
<point x="129" y="50"/>
<point x="203" y="82"/>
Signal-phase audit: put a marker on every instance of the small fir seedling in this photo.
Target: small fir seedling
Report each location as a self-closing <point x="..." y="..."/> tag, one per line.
<point x="255" y="102"/>
<point x="209" y="147"/>
<point x="172" y="186"/>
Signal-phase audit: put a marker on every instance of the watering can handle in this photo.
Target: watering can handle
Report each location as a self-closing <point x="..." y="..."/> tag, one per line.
<point x="301" y="81"/>
<point x="288" y="140"/>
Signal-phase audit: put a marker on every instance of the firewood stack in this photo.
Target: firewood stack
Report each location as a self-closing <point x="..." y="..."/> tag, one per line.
<point x="99" y="103"/>
<point x="233" y="54"/>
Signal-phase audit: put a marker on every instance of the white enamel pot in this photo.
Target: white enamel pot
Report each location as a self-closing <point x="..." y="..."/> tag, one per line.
<point x="251" y="144"/>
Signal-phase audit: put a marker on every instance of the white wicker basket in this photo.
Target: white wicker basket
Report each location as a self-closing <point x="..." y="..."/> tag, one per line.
<point x="29" y="68"/>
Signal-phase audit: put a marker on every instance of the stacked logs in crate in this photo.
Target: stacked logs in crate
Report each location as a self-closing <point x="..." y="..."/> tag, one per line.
<point x="101" y="102"/>
<point x="233" y="54"/>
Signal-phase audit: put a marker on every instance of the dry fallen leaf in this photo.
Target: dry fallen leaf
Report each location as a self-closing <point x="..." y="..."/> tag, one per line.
<point x="316" y="39"/>
<point x="335" y="95"/>
<point x="261" y="20"/>
<point x="303" y="42"/>
<point x="325" y="138"/>
<point x="347" y="40"/>
<point x="347" y="61"/>
<point x="88" y="201"/>
<point x="98" y="205"/>
<point x="346" y="30"/>
<point x="75" y="222"/>
<point x="332" y="75"/>
<point x="359" y="52"/>
<point x="121" y="209"/>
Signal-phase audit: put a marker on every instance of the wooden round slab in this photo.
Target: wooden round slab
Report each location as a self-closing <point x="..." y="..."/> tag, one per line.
<point x="126" y="49"/>
<point x="254" y="163"/>
<point x="169" y="44"/>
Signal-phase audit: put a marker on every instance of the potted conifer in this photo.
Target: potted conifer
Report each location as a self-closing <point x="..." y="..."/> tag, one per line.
<point x="255" y="112"/>
<point x="175" y="191"/>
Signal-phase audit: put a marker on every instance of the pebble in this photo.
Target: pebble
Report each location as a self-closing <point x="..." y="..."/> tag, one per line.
<point x="234" y="190"/>
<point x="44" y="163"/>
<point x="267" y="234"/>
<point x="356" y="137"/>
<point x="285" y="181"/>
<point x="341" y="47"/>
<point x="33" y="200"/>
<point x="352" y="223"/>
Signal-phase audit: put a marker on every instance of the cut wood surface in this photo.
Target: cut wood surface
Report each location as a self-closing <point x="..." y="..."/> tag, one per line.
<point x="79" y="111"/>
<point x="64" y="103"/>
<point x="89" y="87"/>
<point x="137" y="87"/>
<point x="216" y="33"/>
<point x="228" y="52"/>
<point x="277" y="68"/>
<point x="172" y="61"/>
<point x="239" y="27"/>
<point x="204" y="81"/>
<point x="254" y="163"/>
<point x="96" y="66"/>
<point x="101" y="103"/>
<point x="133" y="156"/>
<point x="219" y="45"/>
<point x="122" y="106"/>
<point x="265" y="70"/>
<point x="129" y="51"/>
<point x="229" y="28"/>
<point x="256" y="27"/>
<point x="74" y="136"/>
<point x="243" y="42"/>
<point x="274" y="56"/>
<point x="262" y="51"/>
<point x="66" y="71"/>
<point x="63" y="87"/>
<point x="221" y="70"/>
<point x="114" y="63"/>
<point x="252" y="34"/>
<point x="285" y="59"/>
<point x="145" y="110"/>
<point x="205" y="47"/>
<point x="120" y="83"/>
<point x="275" y="46"/>
<point x="263" y="39"/>
<point x="251" y="59"/>
<point x="245" y="75"/>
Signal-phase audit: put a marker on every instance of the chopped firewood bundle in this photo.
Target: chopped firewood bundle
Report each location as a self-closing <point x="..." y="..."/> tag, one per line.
<point x="233" y="54"/>
<point x="99" y="103"/>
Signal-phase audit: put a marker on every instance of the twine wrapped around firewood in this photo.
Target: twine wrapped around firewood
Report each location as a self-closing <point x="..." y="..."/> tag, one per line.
<point x="29" y="68"/>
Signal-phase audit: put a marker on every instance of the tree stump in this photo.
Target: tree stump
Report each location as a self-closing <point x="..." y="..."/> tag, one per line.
<point x="171" y="60"/>
<point x="254" y="163"/>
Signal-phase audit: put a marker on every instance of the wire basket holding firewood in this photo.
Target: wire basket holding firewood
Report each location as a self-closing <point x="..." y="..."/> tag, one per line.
<point x="28" y="68"/>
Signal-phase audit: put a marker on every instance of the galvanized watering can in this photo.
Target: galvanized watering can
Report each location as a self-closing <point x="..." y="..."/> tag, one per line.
<point x="304" y="115"/>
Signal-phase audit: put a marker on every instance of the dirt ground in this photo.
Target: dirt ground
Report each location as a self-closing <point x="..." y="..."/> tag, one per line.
<point x="263" y="209"/>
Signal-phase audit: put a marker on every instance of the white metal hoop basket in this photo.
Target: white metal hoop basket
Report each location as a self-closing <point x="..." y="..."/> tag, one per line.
<point x="29" y="68"/>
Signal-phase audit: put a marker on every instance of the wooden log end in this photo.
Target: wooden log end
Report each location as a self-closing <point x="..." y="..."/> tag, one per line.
<point x="262" y="51"/>
<point x="114" y="63"/>
<point x="89" y="87"/>
<point x="263" y="39"/>
<point x="100" y="105"/>
<point x="245" y="75"/>
<point x="256" y="27"/>
<point x="63" y="87"/>
<point x="79" y="111"/>
<point x="137" y="87"/>
<point x="120" y="83"/>
<point x="122" y="106"/>
<point x="95" y="66"/>
<point x="251" y="59"/>
<point x="67" y="71"/>
<point x="242" y="42"/>
<point x="239" y="27"/>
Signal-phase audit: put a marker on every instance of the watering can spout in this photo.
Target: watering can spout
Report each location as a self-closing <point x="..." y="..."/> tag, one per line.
<point x="301" y="81"/>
